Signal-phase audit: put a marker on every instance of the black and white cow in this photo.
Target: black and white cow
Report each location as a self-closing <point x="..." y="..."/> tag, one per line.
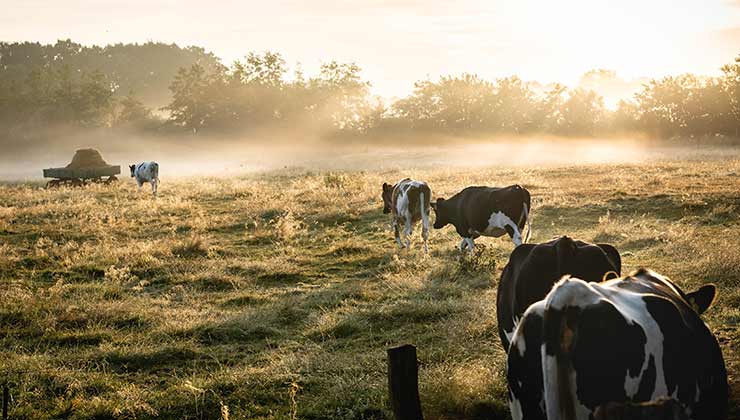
<point x="632" y="339"/>
<point x="408" y="202"/>
<point x="146" y="172"/>
<point x="485" y="211"/>
<point x="533" y="269"/>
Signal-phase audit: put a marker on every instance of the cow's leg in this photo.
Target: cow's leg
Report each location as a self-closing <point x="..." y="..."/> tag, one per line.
<point x="396" y="232"/>
<point x="463" y="244"/>
<point x="140" y="184"/>
<point x="514" y="234"/>
<point x="154" y="187"/>
<point x="424" y="210"/>
<point x="408" y="231"/>
<point x="467" y="244"/>
<point x="425" y="234"/>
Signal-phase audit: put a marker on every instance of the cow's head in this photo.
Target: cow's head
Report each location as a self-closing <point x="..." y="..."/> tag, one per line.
<point x="441" y="218"/>
<point x="387" y="197"/>
<point x="133" y="168"/>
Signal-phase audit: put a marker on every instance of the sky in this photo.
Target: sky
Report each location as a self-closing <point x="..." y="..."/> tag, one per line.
<point x="397" y="42"/>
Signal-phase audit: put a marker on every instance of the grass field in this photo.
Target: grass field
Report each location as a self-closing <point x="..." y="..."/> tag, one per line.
<point x="275" y="295"/>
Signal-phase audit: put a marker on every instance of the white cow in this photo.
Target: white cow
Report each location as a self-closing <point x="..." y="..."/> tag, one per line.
<point x="146" y="172"/>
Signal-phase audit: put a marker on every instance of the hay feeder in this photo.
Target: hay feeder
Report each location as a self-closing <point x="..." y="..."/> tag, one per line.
<point x="87" y="166"/>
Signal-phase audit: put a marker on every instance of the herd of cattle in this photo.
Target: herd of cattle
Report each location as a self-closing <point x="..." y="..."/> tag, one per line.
<point x="579" y="337"/>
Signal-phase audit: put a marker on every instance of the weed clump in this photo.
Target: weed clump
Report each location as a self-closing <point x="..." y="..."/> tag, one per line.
<point x="335" y="180"/>
<point x="192" y="248"/>
<point x="477" y="261"/>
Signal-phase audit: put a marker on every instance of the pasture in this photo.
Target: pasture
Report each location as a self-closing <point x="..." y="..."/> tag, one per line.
<point x="274" y="295"/>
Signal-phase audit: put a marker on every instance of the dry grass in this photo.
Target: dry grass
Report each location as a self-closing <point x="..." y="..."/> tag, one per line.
<point x="274" y="295"/>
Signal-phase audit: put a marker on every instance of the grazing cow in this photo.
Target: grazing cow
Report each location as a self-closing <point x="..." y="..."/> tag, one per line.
<point x="533" y="269"/>
<point x="632" y="339"/>
<point x="146" y="172"/>
<point x="408" y="202"/>
<point x="485" y="211"/>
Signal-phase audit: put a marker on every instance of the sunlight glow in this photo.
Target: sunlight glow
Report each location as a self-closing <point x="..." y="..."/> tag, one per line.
<point x="400" y="41"/>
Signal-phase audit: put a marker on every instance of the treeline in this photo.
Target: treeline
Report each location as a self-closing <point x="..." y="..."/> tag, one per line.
<point x="257" y="93"/>
<point x="118" y="86"/>
<point x="75" y="85"/>
<point x="145" y="69"/>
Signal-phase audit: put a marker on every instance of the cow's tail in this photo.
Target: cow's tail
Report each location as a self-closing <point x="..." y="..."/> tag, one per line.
<point x="526" y="207"/>
<point x="560" y="330"/>
<point x="567" y="304"/>
<point x="525" y="215"/>
<point x="425" y="194"/>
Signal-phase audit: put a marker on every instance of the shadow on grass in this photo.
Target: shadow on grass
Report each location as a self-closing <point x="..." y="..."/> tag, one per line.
<point x="266" y="322"/>
<point x="165" y="359"/>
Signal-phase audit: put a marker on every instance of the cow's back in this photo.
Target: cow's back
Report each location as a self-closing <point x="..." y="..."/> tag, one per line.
<point x="147" y="171"/>
<point x="411" y="190"/>
<point x="532" y="270"/>
<point x="473" y="206"/>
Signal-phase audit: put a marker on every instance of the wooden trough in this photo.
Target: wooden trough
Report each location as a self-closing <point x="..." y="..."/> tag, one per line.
<point x="87" y="166"/>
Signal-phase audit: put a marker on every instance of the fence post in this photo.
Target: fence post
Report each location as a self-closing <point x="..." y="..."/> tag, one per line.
<point x="6" y="400"/>
<point x="403" y="383"/>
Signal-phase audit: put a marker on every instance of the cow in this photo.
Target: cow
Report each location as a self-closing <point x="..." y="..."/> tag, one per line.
<point x="408" y="202"/>
<point x="632" y="339"/>
<point x="533" y="269"/>
<point x="485" y="211"/>
<point x="146" y="172"/>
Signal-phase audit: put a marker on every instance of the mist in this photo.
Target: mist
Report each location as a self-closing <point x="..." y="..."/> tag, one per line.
<point x="198" y="117"/>
<point x="181" y="157"/>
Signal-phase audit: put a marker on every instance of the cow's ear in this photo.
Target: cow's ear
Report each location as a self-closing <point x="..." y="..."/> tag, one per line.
<point x="435" y="204"/>
<point x="613" y="256"/>
<point x="385" y="186"/>
<point x="703" y="298"/>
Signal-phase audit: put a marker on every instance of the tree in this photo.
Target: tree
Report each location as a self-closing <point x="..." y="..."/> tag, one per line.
<point x="625" y="118"/>
<point x="454" y="103"/>
<point x="339" y="94"/>
<point x="515" y="106"/>
<point x="144" y="68"/>
<point x="133" y="113"/>
<point x="731" y="86"/>
<point x="267" y="69"/>
<point x="581" y="113"/>
<point x="95" y="100"/>
<point x="189" y="106"/>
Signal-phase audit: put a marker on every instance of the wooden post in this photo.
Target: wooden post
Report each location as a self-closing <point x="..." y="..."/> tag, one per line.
<point x="6" y="400"/>
<point x="403" y="383"/>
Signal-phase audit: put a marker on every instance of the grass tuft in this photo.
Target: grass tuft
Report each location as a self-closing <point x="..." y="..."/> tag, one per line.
<point x="192" y="248"/>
